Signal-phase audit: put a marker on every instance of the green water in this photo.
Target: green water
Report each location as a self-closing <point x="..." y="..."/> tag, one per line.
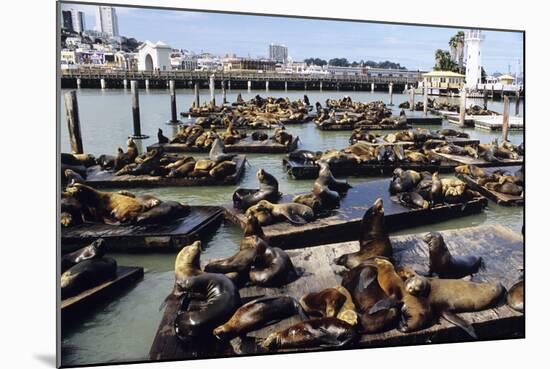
<point x="123" y="329"/>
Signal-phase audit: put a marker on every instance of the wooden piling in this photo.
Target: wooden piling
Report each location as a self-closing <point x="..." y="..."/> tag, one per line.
<point x="425" y="90"/>
<point x="462" y="108"/>
<point x="391" y="94"/>
<point x="485" y="93"/>
<point x="197" y="101"/>
<point x="73" y="122"/>
<point x="517" y="102"/>
<point x="505" y="118"/>
<point x="224" y="93"/>
<point x="172" y="86"/>
<point x="372" y="87"/>
<point x="411" y="99"/>
<point x="135" y="111"/>
<point x="267" y="86"/>
<point x="212" y="91"/>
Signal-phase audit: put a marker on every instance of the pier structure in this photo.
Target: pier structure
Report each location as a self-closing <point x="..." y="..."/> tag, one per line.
<point x="91" y="78"/>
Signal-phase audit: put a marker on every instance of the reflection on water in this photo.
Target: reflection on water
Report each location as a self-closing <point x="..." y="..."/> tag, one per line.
<point x="123" y="329"/>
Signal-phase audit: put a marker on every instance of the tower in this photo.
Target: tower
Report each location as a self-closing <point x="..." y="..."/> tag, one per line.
<point x="106" y="20"/>
<point x="473" y="39"/>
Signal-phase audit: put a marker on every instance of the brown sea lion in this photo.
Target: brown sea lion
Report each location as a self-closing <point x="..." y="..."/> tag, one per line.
<point x="322" y="332"/>
<point x="273" y="268"/>
<point x="72" y="177"/>
<point x="515" y="297"/>
<point x="269" y="190"/>
<point x="373" y="239"/>
<point x="506" y="188"/>
<point x="325" y="303"/>
<point x="348" y="311"/>
<point x="124" y="158"/>
<point x="309" y="199"/>
<point x="208" y="300"/>
<point x="95" y="250"/>
<point x="257" y="314"/>
<point x="446" y="265"/>
<point x="164" y="213"/>
<point x="223" y="169"/>
<point x="87" y="274"/>
<point x="293" y="212"/>
<point x="240" y="262"/>
<point x="325" y="178"/>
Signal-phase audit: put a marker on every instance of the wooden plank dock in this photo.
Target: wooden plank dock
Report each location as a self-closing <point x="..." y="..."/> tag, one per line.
<point x="106" y="179"/>
<point x="424" y="121"/>
<point x="366" y="127"/>
<point x="83" y="302"/>
<point x="342" y="224"/>
<point x="499" y="198"/>
<point x="320" y="272"/>
<point x="246" y="145"/>
<point x="299" y="170"/>
<point x="488" y="122"/>
<point x="200" y="222"/>
<point x="468" y="160"/>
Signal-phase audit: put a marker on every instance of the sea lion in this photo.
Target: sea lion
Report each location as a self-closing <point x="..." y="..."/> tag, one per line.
<point x="95" y="250"/>
<point x="124" y="158"/>
<point x="257" y="314"/>
<point x="240" y="262"/>
<point x="164" y="213"/>
<point x="311" y="200"/>
<point x="325" y="303"/>
<point x="436" y="191"/>
<point x="162" y="139"/>
<point x="223" y="169"/>
<point x="506" y="188"/>
<point x="187" y="262"/>
<point x="72" y="177"/>
<point x="403" y="180"/>
<point x="106" y="162"/>
<point x="325" y="178"/>
<point x="322" y="332"/>
<point x="149" y="165"/>
<point x="293" y="212"/>
<point x="217" y="152"/>
<point x="446" y="265"/>
<point x="412" y="200"/>
<point x="273" y="268"/>
<point x="515" y="297"/>
<point x="347" y="312"/>
<point x="208" y="300"/>
<point x="269" y="190"/>
<point x="373" y="239"/>
<point x="363" y="286"/>
<point x="87" y="274"/>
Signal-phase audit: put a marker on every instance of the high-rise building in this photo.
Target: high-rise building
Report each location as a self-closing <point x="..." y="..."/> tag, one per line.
<point x="106" y="20"/>
<point x="79" y="20"/>
<point x="473" y="39"/>
<point x="67" y="20"/>
<point x="278" y="53"/>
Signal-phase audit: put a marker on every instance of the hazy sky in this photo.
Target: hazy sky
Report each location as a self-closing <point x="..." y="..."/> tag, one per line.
<point x="411" y="46"/>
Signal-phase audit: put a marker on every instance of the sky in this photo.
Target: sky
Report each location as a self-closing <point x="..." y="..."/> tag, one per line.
<point x="247" y="35"/>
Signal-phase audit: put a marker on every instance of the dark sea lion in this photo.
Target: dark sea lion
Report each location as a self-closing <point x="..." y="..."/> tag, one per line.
<point x="403" y="180"/>
<point x="87" y="274"/>
<point x="325" y="178"/>
<point x="95" y="250"/>
<point x="148" y="166"/>
<point x="124" y="158"/>
<point x="164" y="213"/>
<point x="373" y="239"/>
<point x="273" y="268"/>
<point x="363" y="285"/>
<point x="269" y="190"/>
<point x="311" y="200"/>
<point x="515" y="297"/>
<point x="293" y="212"/>
<point x="325" y="303"/>
<point x="505" y="188"/>
<point x="72" y="177"/>
<point x="240" y="262"/>
<point x="162" y="139"/>
<point x="106" y="161"/>
<point x="304" y="156"/>
<point x="322" y="332"/>
<point x="217" y="154"/>
<point x="412" y="200"/>
<point x="257" y="314"/>
<point x="208" y="300"/>
<point x="446" y="265"/>
<point x="187" y="262"/>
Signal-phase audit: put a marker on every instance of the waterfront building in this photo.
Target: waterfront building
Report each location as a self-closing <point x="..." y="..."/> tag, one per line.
<point x="106" y="20"/>
<point x="444" y="80"/>
<point x="506" y="79"/>
<point x="67" y="20"/>
<point x="250" y="65"/>
<point x="387" y="72"/>
<point x="78" y="20"/>
<point x="473" y="39"/>
<point x="278" y="53"/>
<point x="344" y="71"/>
<point x="154" y="56"/>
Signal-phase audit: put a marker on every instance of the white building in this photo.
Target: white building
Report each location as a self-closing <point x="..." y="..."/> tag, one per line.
<point x="78" y="20"/>
<point x="106" y="20"/>
<point x="154" y="56"/>
<point x="473" y="39"/>
<point x="279" y="53"/>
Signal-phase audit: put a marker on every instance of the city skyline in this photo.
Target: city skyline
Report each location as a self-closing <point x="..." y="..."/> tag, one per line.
<point x="411" y="46"/>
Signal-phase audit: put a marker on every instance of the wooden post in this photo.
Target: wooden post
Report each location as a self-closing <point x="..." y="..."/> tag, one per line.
<point x="462" y="108"/>
<point x="411" y="99"/>
<point x="172" y="86"/>
<point x="224" y="93"/>
<point x="485" y="93"/>
<point x="372" y="87"/>
<point x="517" y="102"/>
<point x="425" y="101"/>
<point x="321" y="86"/>
<point x="73" y="122"/>
<point x="78" y="82"/>
<point x="505" y="118"/>
<point x="492" y="91"/>
<point x="286" y="86"/>
<point x="249" y="86"/>
<point x="267" y="86"/>
<point x="147" y="84"/>
<point x="229" y="85"/>
<point x="197" y="101"/>
<point x="135" y="111"/>
<point x="391" y="93"/>
<point x="212" y="91"/>
<point x="102" y="83"/>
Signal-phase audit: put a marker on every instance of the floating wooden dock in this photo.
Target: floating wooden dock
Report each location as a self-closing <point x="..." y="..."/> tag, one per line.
<point x="246" y="145"/>
<point x="342" y="224"/>
<point x="499" y="198"/>
<point x="320" y="272"/>
<point x="299" y="170"/>
<point x="482" y="163"/>
<point x="200" y="222"/>
<point x="83" y="302"/>
<point x="99" y="178"/>
<point x="424" y="121"/>
<point x="366" y="127"/>
<point x="488" y="122"/>
<point x="459" y="141"/>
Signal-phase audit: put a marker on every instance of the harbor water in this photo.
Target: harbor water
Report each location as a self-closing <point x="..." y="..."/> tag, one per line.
<point x="123" y="329"/>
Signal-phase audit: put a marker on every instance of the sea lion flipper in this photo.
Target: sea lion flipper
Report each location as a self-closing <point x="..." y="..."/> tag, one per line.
<point x="384" y="304"/>
<point x="294" y="218"/>
<point x="459" y="322"/>
<point x="328" y="340"/>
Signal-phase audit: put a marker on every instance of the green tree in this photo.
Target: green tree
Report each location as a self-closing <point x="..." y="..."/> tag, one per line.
<point x="443" y="61"/>
<point x="339" y="62"/>
<point x="483" y="75"/>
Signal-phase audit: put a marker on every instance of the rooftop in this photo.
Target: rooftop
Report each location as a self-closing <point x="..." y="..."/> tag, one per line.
<point x="442" y="73"/>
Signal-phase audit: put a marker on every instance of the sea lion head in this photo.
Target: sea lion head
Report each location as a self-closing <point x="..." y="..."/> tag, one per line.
<point x="100" y="246"/>
<point x="272" y="341"/>
<point x="264" y="205"/>
<point x="190" y="255"/>
<point x="417" y="286"/>
<point x="253" y="227"/>
<point x="434" y="240"/>
<point x="260" y="174"/>
<point x="377" y="207"/>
